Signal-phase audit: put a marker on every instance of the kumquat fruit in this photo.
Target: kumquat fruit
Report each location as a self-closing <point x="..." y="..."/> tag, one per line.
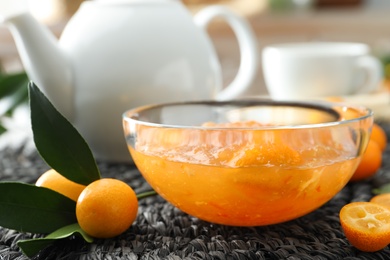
<point x="55" y="181"/>
<point x="370" y="163"/>
<point x="378" y="134"/>
<point x="106" y="208"/>
<point x="366" y="225"/>
<point x="382" y="199"/>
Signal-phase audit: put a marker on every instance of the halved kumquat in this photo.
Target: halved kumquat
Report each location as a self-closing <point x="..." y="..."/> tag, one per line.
<point x="382" y="199"/>
<point x="366" y="225"/>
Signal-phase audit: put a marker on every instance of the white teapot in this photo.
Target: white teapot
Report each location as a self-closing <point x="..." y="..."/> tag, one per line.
<point x="114" y="55"/>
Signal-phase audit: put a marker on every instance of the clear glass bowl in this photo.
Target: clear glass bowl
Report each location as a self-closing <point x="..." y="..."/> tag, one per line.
<point x="247" y="162"/>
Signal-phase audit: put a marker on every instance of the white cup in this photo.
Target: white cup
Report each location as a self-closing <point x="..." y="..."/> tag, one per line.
<point x="319" y="69"/>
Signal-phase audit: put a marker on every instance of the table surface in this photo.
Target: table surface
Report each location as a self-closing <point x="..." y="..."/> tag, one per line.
<point x="161" y="231"/>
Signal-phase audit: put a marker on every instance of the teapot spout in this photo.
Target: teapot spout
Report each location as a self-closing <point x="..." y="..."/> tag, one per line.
<point x="43" y="60"/>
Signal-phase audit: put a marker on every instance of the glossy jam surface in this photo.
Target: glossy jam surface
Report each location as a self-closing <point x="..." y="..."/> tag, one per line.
<point x="245" y="177"/>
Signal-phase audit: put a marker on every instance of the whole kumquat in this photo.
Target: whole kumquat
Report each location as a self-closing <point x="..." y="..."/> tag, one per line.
<point x="378" y="134"/>
<point x="383" y="199"/>
<point x="366" y="225"/>
<point x="106" y="208"/>
<point x="370" y="163"/>
<point x="53" y="180"/>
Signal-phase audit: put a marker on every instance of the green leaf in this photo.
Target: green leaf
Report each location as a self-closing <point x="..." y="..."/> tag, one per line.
<point x="382" y="189"/>
<point x="13" y="91"/>
<point x="58" y="142"/>
<point x="9" y="83"/>
<point x="31" y="247"/>
<point x="2" y="129"/>
<point x="28" y="208"/>
<point x="14" y="99"/>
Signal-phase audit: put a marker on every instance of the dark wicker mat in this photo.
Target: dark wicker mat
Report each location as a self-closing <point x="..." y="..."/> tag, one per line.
<point x="163" y="232"/>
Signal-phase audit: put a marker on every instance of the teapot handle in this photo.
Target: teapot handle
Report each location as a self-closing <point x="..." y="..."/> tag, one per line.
<point x="247" y="45"/>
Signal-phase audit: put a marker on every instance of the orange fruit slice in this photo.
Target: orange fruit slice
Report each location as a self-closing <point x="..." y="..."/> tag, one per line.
<point x="383" y="199"/>
<point x="366" y="225"/>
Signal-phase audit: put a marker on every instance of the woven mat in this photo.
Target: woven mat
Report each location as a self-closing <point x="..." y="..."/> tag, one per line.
<point x="163" y="232"/>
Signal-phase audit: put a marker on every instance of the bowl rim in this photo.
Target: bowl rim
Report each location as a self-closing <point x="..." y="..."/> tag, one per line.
<point x="326" y="106"/>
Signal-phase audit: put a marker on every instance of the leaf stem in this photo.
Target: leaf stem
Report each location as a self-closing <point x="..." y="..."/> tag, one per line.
<point x="146" y="194"/>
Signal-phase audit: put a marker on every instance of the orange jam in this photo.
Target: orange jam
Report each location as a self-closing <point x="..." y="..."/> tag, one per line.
<point x="244" y="177"/>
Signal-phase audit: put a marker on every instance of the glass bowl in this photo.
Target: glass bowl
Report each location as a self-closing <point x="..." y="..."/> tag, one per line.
<point x="247" y="162"/>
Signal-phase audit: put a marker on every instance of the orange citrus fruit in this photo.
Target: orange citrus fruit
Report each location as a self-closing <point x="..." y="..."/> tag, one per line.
<point x="366" y="225"/>
<point x="370" y="163"/>
<point x="53" y="180"/>
<point x="383" y="199"/>
<point x="378" y="134"/>
<point x="106" y="208"/>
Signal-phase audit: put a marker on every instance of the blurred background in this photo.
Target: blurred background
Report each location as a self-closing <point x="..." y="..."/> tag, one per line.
<point x="273" y="21"/>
